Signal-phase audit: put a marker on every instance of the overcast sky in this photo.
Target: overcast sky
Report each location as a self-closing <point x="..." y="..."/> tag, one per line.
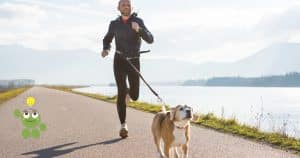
<point x="193" y="30"/>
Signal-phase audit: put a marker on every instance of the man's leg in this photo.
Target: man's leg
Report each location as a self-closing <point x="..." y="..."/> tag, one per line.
<point x="120" y="77"/>
<point x="121" y="105"/>
<point x="134" y="80"/>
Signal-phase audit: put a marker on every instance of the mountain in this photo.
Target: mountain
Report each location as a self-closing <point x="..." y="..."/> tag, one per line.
<point x="274" y="60"/>
<point x="82" y="66"/>
<point x="53" y="67"/>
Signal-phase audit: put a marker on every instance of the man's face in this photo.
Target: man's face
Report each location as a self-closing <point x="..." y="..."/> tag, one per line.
<point x="125" y="7"/>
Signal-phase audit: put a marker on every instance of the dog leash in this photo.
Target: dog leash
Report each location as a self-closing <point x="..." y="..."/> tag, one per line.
<point x="141" y="76"/>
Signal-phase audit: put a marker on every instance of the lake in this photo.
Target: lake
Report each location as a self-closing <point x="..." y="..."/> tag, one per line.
<point x="270" y="109"/>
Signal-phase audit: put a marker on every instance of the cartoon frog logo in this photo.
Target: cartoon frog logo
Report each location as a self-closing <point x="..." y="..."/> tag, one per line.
<point x="31" y="119"/>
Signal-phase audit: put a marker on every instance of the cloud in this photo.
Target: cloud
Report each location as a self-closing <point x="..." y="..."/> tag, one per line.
<point x="295" y="37"/>
<point x="208" y="18"/>
<point x="10" y="10"/>
<point x="43" y="25"/>
<point x="224" y="34"/>
<point x="5" y="14"/>
<point x="154" y="6"/>
<point x="80" y="8"/>
<point x="18" y="17"/>
<point x="201" y="30"/>
<point x="108" y="2"/>
<point x="282" y="27"/>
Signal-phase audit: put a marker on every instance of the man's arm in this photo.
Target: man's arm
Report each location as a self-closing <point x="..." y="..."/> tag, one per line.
<point x="108" y="37"/>
<point x="145" y="33"/>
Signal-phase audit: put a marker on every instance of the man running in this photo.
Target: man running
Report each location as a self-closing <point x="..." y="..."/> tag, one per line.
<point x="127" y="29"/>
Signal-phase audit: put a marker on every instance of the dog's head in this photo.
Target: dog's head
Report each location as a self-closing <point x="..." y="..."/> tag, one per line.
<point x="181" y="113"/>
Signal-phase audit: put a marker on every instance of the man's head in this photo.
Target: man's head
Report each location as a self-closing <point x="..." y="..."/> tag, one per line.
<point x="124" y="7"/>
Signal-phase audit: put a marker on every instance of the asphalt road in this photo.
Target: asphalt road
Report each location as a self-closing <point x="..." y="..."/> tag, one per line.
<point x="78" y="126"/>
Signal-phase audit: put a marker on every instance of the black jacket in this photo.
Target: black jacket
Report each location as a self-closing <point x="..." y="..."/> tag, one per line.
<point x="127" y="40"/>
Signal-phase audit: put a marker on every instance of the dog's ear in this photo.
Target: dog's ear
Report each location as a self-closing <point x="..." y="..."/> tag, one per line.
<point x="172" y="113"/>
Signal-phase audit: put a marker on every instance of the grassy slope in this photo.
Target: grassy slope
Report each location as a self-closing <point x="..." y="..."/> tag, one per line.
<point x="8" y="94"/>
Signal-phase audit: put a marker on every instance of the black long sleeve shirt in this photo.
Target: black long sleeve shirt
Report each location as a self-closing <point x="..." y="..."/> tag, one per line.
<point x="127" y="40"/>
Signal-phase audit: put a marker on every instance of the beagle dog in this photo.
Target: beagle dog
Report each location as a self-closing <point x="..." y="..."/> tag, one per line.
<point x="173" y="128"/>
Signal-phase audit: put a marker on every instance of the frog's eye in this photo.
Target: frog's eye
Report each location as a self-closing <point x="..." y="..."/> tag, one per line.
<point x="26" y="114"/>
<point x="35" y="115"/>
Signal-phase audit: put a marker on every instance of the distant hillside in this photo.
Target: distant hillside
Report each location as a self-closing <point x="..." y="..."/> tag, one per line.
<point x="7" y="84"/>
<point x="287" y="80"/>
<point x="194" y="83"/>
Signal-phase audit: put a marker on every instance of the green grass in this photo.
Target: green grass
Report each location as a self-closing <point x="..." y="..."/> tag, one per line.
<point x="11" y="93"/>
<point x="209" y="120"/>
<point x="232" y="126"/>
<point x="136" y="105"/>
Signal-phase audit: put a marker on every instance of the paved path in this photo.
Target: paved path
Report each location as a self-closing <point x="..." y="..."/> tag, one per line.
<point x="79" y="126"/>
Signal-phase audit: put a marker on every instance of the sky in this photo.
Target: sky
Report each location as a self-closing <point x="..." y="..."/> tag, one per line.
<point x="198" y="31"/>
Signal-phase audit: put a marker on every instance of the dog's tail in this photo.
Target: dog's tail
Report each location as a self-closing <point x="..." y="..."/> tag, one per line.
<point x="163" y="108"/>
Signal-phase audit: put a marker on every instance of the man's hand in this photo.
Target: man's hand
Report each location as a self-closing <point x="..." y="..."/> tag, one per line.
<point x="135" y="26"/>
<point x="104" y="53"/>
